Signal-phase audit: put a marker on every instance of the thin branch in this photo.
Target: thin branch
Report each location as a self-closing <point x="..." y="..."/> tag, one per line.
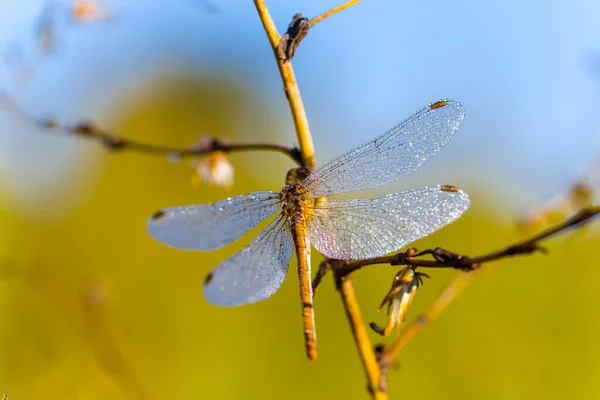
<point x="115" y="143"/>
<point x="446" y="259"/>
<point x="290" y="86"/>
<point x="361" y="337"/>
<point x="334" y="10"/>
<point x="298" y="29"/>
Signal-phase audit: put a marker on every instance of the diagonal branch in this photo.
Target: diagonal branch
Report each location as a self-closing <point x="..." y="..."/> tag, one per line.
<point x="299" y="27"/>
<point x="361" y="337"/>
<point x="333" y="11"/>
<point x="114" y="143"/>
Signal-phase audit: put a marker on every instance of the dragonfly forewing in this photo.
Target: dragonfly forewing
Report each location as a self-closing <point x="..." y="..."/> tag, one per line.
<point x="398" y="152"/>
<point x="210" y="226"/>
<point x="365" y="228"/>
<point x="255" y="272"/>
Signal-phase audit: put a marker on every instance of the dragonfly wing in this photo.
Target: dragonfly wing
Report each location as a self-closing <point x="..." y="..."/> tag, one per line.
<point x="210" y="226"/>
<point x="255" y="272"/>
<point x="366" y="228"/>
<point x="396" y="153"/>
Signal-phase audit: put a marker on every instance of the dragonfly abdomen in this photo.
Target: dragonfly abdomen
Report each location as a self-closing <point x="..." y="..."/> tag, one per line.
<point x="299" y="233"/>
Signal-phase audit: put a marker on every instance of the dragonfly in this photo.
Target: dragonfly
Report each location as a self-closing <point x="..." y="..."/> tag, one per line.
<point x="354" y="229"/>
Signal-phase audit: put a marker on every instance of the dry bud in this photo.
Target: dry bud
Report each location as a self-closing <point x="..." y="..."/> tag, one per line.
<point x="213" y="169"/>
<point x="88" y="10"/>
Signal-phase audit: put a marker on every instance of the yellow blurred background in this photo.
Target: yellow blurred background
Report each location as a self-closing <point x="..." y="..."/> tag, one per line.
<point x="93" y="308"/>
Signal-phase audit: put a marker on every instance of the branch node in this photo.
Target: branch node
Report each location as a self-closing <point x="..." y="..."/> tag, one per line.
<point x="296" y="154"/>
<point x="324" y="268"/>
<point x="86" y="128"/>
<point x="113" y="143"/>
<point x="206" y="144"/>
<point x="296" y="32"/>
<point x="403" y="258"/>
<point x="49" y="124"/>
<point x="421" y="320"/>
<point x="451" y="259"/>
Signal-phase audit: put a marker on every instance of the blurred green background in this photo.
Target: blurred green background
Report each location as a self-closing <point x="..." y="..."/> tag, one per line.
<point x="93" y="308"/>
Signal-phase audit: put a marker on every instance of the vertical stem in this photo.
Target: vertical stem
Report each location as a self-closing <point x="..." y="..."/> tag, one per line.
<point x="307" y="151"/>
<point x="290" y="86"/>
<point x="361" y="337"/>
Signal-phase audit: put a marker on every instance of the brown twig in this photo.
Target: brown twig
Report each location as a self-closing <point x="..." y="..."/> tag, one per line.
<point x="115" y="143"/>
<point x="289" y="42"/>
<point x="334" y="10"/>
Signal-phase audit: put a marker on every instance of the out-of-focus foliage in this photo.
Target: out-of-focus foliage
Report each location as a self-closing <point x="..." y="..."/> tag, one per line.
<point x="93" y="308"/>
<point x="580" y="195"/>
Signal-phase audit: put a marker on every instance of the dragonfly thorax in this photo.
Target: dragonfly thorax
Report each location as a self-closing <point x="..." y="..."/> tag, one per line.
<point x="292" y="201"/>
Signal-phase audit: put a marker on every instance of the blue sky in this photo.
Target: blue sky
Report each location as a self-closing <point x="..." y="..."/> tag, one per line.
<point x="523" y="70"/>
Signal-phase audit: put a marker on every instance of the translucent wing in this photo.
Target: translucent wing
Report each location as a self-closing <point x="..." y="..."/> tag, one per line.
<point x="255" y="272"/>
<point x="365" y="228"/>
<point x="396" y="153"/>
<point x="210" y="226"/>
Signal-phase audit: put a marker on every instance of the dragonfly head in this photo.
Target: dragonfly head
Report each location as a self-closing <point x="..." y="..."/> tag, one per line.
<point x="297" y="175"/>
